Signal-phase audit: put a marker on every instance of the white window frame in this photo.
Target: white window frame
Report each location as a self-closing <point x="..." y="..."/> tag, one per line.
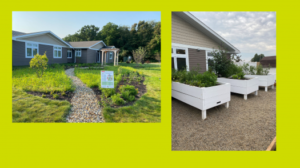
<point x="208" y="57"/>
<point x="111" y="55"/>
<point x="175" y="56"/>
<point x="32" y="47"/>
<point x="57" y="48"/>
<point x="69" y="51"/>
<point x="77" y="51"/>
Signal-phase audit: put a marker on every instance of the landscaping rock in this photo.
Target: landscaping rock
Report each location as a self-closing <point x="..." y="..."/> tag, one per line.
<point x="85" y="107"/>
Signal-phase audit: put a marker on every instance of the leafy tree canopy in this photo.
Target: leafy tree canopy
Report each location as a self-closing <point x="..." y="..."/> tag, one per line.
<point x="145" y="34"/>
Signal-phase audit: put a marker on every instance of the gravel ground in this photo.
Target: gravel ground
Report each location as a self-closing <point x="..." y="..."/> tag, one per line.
<point x="245" y="125"/>
<point x="85" y="107"/>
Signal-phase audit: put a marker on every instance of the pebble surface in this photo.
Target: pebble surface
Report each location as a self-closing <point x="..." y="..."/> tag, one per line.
<point x="85" y="107"/>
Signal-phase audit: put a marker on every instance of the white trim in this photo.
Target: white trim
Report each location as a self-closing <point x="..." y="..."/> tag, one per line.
<point x="175" y="56"/>
<point x="57" y="52"/>
<point x="93" y="49"/>
<point x="68" y="53"/>
<point x="210" y="30"/>
<point x="26" y="41"/>
<point x="80" y="52"/>
<point x="97" y="43"/>
<point x="40" y="33"/>
<point x="193" y="47"/>
<point x="31" y="49"/>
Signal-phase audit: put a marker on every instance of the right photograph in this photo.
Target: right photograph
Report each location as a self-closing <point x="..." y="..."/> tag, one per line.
<point x="224" y="81"/>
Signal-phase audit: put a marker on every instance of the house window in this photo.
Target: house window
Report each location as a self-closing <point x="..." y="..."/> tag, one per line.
<point x="209" y="59"/>
<point x="78" y="53"/>
<point x="69" y="54"/>
<point x="31" y="50"/>
<point x="180" y="58"/>
<point x="57" y="52"/>
<point x="110" y="55"/>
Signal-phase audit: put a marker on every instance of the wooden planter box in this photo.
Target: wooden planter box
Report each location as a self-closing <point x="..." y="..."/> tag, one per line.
<point x="202" y="98"/>
<point x="244" y="87"/>
<point x="264" y="80"/>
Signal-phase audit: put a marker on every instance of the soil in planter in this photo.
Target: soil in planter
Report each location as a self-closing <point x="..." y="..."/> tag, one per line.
<point x="139" y="85"/>
<point x="68" y="95"/>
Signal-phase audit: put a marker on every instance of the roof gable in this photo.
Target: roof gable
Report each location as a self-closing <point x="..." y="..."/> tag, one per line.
<point x="46" y="37"/>
<point x="200" y="26"/>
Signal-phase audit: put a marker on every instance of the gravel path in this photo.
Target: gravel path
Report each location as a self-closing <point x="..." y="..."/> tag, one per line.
<point x="245" y="125"/>
<point x="85" y="107"/>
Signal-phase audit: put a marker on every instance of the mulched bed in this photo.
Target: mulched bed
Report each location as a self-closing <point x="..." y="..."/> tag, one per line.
<point x="140" y="86"/>
<point x="68" y="96"/>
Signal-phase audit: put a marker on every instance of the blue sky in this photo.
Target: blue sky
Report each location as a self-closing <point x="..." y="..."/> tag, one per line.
<point x="64" y="23"/>
<point x="250" y="32"/>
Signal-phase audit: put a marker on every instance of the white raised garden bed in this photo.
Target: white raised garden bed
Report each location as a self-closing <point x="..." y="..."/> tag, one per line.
<point x="244" y="87"/>
<point x="202" y="98"/>
<point x="264" y="80"/>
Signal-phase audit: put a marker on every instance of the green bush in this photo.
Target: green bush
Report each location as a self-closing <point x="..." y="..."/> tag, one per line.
<point x="127" y="96"/>
<point x="129" y="88"/>
<point x="194" y="78"/>
<point x="39" y="63"/>
<point x="108" y="92"/>
<point x="43" y="96"/>
<point x="55" y="96"/>
<point x="117" y="100"/>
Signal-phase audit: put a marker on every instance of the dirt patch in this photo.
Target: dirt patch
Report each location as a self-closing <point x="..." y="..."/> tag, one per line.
<point x="139" y="85"/>
<point x="68" y="95"/>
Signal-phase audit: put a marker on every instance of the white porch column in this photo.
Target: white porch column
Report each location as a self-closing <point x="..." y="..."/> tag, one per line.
<point x="115" y="58"/>
<point x="102" y="57"/>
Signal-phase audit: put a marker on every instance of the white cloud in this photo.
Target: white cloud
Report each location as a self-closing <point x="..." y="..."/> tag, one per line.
<point x="250" y="32"/>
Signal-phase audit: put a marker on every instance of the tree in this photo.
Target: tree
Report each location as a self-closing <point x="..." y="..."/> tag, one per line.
<point x="257" y="57"/>
<point x="39" y="63"/>
<point x="139" y="54"/>
<point x="220" y="63"/>
<point x="157" y="56"/>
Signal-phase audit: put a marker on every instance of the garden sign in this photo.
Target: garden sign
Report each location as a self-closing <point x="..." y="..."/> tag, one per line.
<point x="107" y="79"/>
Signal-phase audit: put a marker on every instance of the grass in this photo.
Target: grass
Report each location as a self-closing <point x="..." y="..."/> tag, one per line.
<point x="29" y="108"/>
<point x="54" y="79"/>
<point x="146" y="109"/>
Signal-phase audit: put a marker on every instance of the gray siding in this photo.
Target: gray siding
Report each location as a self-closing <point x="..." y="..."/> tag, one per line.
<point x="197" y="59"/>
<point x="110" y="60"/>
<point x="18" y="53"/>
<point x="83" y="57"/>
<point x="49" y="52"/>
<point x="91" y="56"/>
<point x="71" y="60"/>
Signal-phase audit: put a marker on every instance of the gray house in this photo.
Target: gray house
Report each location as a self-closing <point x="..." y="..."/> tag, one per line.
<point x="193" y="42"/>
<point x="26" y="45"/>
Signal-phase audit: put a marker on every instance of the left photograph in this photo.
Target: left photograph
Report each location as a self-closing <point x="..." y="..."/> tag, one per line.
<point x="86" y="67"/>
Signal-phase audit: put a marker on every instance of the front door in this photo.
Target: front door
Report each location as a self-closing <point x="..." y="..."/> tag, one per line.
<point x="98" y="57"/>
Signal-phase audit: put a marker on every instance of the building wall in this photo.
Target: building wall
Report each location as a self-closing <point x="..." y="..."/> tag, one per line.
<point x="18" y="54"/>
<point x="184" y="33"/>
<point x="110" y="60"/>
<point x="45" y="38"/>
<point x="197" y="59"/>
<point x="98" y="46"/>
<point x="83" y="58"/>
<point x="91" y="56"/>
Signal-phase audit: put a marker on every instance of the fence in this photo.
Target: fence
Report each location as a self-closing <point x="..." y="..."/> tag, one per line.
<point x="245" y="62"/>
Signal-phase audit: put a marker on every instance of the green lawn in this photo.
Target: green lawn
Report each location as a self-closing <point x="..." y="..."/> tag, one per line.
<point x="29" y="108"/>
<point x="146" y="109"/>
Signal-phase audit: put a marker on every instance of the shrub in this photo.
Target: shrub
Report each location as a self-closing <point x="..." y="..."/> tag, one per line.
<point x="43" y="96"/>
<point x="39" y="63"/>
<point x="117" y="100"/>
<point x="147" y="62"/>
<point x="63" y="93"/>
<point x="55" y="96"/>
<point x="129" y="88"/>
<point x="139" y="54"/>
<point x="194" y="78"/>
<point x="127" y="96"/>
<point x="108" y="92"/>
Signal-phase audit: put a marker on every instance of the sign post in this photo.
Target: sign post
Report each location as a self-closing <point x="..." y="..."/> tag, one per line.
<point x="107" y="79"/>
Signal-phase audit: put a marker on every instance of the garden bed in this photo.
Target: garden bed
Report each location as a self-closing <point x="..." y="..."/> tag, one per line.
<point x="245" y="86"/>
<point x="60" y="96"/>
<point x="264" y="80"/>
<point x="202" y="98"/>
<point x="138" y="85"/>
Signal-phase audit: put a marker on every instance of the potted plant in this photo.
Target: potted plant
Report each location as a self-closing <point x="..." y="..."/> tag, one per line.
<point x="229" y="72"/>
<point x="264" y="78"/>
<point x="200" y="90"/>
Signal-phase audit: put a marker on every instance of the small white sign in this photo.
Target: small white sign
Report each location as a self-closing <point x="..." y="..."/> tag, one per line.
<point x="107" y="79"/>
